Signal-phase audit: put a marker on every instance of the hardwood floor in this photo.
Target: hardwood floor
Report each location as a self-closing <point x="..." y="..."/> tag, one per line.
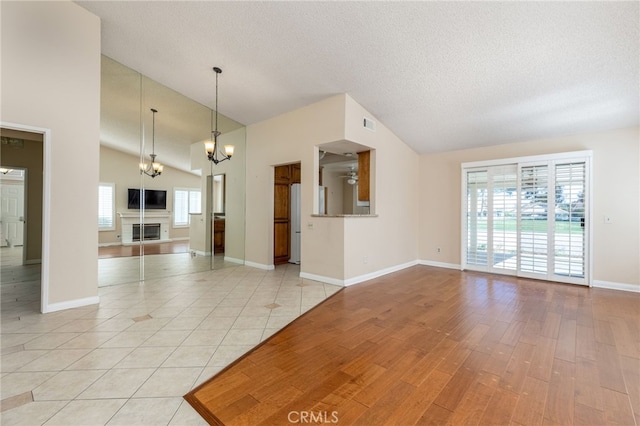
<point x="134" y="250"/>
<point x="434" y="346"/>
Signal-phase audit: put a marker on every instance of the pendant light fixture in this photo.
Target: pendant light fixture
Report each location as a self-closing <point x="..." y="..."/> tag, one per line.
<point x="155" y="168"/>
<point x="211" y="147"/>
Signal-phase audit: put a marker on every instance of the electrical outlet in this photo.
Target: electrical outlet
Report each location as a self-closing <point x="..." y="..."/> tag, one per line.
<point x="438" y="250"/>
<point x="309" y="225"/>
<point x="365" y="259"/>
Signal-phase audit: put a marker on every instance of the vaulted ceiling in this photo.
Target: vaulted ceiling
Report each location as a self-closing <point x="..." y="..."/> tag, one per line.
<point x="440" y="75"/>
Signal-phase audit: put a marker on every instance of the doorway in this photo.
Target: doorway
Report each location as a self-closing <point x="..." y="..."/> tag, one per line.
<point x="22" y="188"/>
<point x="286" y="221"/>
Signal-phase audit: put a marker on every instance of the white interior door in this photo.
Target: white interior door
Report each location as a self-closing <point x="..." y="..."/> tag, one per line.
<point x="12" y="214"/>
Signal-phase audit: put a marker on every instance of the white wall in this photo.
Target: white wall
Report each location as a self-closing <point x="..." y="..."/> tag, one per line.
<point x="388" y="240"/>
<point x="334" y="249"/>
<point x="616" y="193"/>
<point x="51" y="80"/>
<point x="285" y="139"/>
<point x="333" y="182"/>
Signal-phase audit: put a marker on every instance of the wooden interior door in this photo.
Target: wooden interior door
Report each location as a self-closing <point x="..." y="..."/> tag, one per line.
<point x="284" y="177"/>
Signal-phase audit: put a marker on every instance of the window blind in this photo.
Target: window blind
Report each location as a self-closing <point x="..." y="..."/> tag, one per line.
<point x="528" y="216"/>
<point x="106" y="206"/>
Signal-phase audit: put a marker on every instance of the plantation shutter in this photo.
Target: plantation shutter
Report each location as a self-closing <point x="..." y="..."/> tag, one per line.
<point x="504" y="208"/>
<point x="534" y="236"/>
<point x="528" y="216"/>
<point x="180" y="207"/>
<point x="569" y="244"/>
<point x="106" y="207"/>
<point x="476" y="210"/>
<point x="194" y="202"/>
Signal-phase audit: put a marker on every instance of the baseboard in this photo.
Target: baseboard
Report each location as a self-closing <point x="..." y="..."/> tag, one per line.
<point x="259" y="265"/>
<point x="137" y="243"/>
<point x="33" y="262"/>
<point x="322" y="279"/>
<point x="358" y="279"/>
<point x="226" y="259"/>
<point x="109" y="244"/>
<point x="440" y="264"/>
<point x="77" y="303"/>
<point x="616" y="286"/>
<point x="381" y="272"/>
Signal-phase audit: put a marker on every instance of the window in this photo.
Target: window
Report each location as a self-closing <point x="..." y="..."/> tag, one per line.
<point x="106" y="207"/>
<point x="185" y="202"/>
<point x="526" y="217"/>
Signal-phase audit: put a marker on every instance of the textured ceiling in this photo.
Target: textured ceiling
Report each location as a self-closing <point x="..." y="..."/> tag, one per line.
<point x="440" y="75"/>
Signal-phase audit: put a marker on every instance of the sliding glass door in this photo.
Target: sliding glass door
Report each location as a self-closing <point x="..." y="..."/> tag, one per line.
<point x="492" y="207"/>
<point x="527" y="217"/>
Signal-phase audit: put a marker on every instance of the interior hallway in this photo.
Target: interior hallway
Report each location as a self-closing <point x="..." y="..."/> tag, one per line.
<point x="131" y="359"/>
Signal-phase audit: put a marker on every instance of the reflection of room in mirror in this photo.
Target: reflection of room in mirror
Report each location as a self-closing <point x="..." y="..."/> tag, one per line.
<point x="126" y="135"/>
<point x="218" y="194"/>
<point x="219" y="224"/>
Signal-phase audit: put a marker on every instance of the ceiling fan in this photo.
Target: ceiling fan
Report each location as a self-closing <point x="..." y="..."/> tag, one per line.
<point x="351" y="176"/>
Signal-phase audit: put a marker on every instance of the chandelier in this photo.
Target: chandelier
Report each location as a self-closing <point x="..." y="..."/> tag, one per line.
<point x="211" y="146"/>
<point x="155" y="168"/>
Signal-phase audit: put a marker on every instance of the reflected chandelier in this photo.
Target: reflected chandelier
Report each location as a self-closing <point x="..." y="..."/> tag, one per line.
<point x="211" y="147"/>
<point x="155" y="168"/>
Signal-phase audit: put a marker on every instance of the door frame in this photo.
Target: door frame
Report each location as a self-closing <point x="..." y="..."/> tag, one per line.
<point x="46" y="206"/>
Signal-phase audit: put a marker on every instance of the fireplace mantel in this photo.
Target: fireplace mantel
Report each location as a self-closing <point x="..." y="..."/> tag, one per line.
<point x="128" y="219"/>
<point x="148" y="214"/>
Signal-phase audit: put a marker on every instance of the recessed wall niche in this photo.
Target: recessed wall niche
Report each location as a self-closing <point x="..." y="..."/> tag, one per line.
<point x="344" y="179"/>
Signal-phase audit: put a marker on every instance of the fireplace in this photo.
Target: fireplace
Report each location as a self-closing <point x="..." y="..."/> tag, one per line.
<point x="156" y="227"/>
<point x="150" y="231"/>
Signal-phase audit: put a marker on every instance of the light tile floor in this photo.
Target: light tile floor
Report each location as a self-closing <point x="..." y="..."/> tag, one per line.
<point x="120" y="270"/>
<point x="129" y="360"/>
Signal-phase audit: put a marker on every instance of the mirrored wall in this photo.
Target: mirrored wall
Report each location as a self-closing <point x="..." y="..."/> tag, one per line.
<point x="187" y="219"/>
